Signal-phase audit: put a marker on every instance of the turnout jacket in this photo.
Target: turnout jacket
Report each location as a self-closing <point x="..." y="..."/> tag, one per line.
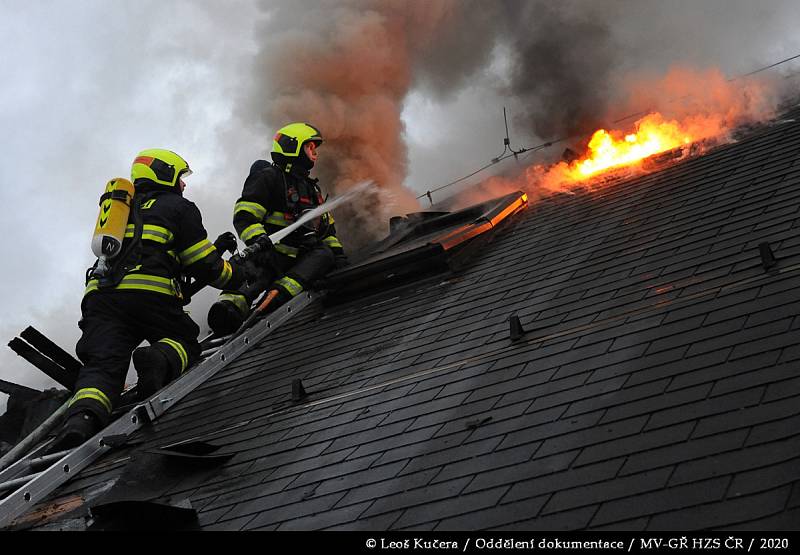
<point x="273" y="199"/>
<point x="174" y="244"/>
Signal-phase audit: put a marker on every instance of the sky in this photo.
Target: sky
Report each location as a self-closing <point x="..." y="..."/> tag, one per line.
<point x="89" y="83"/>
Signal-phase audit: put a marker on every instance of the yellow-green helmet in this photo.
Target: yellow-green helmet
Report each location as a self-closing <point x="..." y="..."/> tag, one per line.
<point x="289" y="140"/>
<point x="159" y="166"/>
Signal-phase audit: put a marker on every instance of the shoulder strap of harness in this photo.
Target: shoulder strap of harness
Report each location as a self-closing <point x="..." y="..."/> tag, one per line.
<point x="116" y="194"/>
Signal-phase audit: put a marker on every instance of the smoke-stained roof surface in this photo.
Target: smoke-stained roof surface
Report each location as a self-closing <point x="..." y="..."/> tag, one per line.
<point x="656" y="386"/>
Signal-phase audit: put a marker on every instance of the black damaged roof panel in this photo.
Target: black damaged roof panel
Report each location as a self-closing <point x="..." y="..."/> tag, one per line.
<point x="653" y="386"/>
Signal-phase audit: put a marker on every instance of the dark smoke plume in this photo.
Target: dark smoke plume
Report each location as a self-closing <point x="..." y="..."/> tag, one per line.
<point x="562" y="66"/>
<point x="347" y="66"/>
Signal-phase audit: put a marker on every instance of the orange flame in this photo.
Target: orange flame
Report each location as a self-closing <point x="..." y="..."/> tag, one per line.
<point x="609" y="150"/>
<point x="685" y="107"/>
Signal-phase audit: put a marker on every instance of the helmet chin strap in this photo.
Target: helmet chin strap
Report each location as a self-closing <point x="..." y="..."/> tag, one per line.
<point x="304" y="161"/>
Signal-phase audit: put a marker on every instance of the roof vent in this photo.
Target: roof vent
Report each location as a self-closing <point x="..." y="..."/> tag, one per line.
<point x="298" y="391"/>
<point x="516" y="329"/>
<point x="768" y="259"/>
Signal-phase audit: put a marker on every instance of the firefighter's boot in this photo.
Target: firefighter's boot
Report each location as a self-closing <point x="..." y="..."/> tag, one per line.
<point x="154" y="370"/>
<point x="79" y="427"/>
<point x="225" y="317"/>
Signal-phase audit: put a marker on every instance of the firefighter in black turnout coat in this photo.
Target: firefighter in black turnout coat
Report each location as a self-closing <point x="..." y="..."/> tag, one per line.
<point x="274" y="196"/>
<point x="140" y="297"/>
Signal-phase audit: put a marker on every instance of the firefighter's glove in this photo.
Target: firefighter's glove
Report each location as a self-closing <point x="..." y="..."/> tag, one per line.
<point x="259" y="252"/>
<point x="262" y="244"/>
<point x="226" y="242"/>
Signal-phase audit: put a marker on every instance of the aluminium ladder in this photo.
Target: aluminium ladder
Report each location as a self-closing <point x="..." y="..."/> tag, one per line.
<point x="33" y="485"/>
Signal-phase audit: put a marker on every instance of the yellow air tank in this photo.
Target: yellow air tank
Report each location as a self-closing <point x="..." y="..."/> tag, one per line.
<point x="109" y="232"/>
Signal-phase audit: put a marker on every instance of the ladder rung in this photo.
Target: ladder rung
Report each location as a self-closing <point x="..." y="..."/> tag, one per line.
<point x="15" y="483"/>
<point x="216" y="342"/>
<point x="208" y="352"/>
<point x="206" y="338"/>
<point x="214" y="345"/>
<point x="39" y="461"/>
<point x="30" y="463"/>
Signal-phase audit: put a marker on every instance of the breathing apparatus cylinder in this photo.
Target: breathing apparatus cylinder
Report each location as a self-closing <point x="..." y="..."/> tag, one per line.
<point x="109" y="232"/>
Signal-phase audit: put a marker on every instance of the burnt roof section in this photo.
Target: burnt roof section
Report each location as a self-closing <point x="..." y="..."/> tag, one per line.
<point x="655" y="386"/>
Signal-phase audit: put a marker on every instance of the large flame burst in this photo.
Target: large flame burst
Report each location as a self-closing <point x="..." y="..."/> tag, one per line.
<point x="609" y="150"/>
<point x="612" y="149"/>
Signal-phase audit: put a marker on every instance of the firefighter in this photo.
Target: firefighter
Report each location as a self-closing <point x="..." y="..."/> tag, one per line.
<point x="274" y="196"/>
<point x="140" y="298"/>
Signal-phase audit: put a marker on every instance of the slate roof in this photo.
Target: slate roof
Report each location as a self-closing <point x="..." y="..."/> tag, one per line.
<point x="657" y="386"/>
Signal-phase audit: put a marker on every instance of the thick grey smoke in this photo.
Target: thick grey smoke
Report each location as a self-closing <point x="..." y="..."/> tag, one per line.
<point x="561" y="68"/>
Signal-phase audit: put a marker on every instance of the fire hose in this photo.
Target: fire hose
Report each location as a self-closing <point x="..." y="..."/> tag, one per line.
<point x="248" y="253"/>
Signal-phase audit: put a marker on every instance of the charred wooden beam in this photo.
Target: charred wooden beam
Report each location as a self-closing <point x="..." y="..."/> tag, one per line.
<point x="17" y="390"/>
<point x="51" y="350"/>
<point x="56" y="372"/>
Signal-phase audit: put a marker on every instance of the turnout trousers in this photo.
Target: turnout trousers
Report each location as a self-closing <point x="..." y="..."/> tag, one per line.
<point x="114" y="323"/>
